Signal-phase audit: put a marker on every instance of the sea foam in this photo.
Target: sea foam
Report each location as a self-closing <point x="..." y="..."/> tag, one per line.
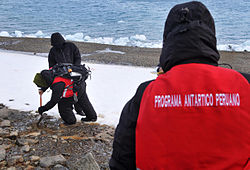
<point x="137" y="40"/>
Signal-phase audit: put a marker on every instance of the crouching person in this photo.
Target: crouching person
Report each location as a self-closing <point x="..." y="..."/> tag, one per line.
<point x="65" y="96"/>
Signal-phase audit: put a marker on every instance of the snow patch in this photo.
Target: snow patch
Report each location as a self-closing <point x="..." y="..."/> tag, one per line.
<point x="109" y="88"/>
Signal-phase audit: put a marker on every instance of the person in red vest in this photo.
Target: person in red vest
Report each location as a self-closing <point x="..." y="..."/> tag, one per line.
<point x="193" y="116"/>
<point x="63" y="95"/>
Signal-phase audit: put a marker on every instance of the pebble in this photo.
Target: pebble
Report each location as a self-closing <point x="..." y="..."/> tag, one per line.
<point x="29" y="128"/>
<point x="4" y="132"/>
<point x="27" y="162"/>
<point x="87" y="162"/>
<point x="13" y="135"/>
<point x="4" y="113"/>
<point x="32" y="141"/>
<point x="2" y="153"/>
<point x="5" y="123"/>
<point x="1" y="105"/>
<point x="66" y="154"/>
<point x="34" y="134"/>
<point x="6" y="146"/>
<point x="34" y="158"/>
<point x="29" y="167"/>
<point x="54" y="136"/>
<point x="25" y="148"/>
<point x="52" y="160"/>
<point x="15" y="159"/>
<point x="59" y="167"/>
<point x="22" y="141"/>
<point x="3" y="163"/>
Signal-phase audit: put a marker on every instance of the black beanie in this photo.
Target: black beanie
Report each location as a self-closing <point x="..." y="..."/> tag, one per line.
<point x="57" y="40"/>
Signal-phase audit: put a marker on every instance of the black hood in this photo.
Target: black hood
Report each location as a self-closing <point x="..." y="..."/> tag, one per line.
<point x="189" y="36"/>
<point x="57" y="40"/>
<point x="48" y="76"/>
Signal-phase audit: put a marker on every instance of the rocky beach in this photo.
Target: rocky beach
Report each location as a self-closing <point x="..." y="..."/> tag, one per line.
<point x="111" y="54"/>
<point x="51" y="144"/>
<point x="24" y="144"/>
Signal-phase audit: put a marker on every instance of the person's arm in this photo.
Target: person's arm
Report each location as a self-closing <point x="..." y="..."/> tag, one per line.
<point x="77" y="56"/>
<point x="246" y="75"/>
<point x="57" y="91"/>
<point x="51" y="58"/>
<point x="123" y="156"/>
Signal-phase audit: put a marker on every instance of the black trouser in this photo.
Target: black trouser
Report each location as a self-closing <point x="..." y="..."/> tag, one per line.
<point x="65" y="107"/>
<point x="84" y="103"/>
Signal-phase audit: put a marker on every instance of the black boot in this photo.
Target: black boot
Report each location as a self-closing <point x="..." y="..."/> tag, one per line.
<point x="86" y="119"/>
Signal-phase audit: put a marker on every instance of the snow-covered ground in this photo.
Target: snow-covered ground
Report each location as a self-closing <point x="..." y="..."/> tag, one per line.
<point x="109" y="88"/>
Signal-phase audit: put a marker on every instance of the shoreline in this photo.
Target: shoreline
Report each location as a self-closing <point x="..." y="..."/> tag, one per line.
<point x="120" y="55"/>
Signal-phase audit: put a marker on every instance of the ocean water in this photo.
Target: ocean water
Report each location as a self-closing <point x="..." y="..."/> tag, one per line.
<point x="118" y="22"/>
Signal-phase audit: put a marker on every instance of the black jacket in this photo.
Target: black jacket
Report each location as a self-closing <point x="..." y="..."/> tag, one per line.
<point x="123" y="156"/>
<point x="57" y="91"/>
<point x="63" y="52"/>
<point x="189" y="37"/>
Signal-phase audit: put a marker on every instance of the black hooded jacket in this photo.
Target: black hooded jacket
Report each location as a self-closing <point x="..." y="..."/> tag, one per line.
<point x="189" y="37"/>
<point x="62" y="51"/>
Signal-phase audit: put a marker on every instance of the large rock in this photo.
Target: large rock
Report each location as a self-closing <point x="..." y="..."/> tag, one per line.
<point x="52" y="160"/>
<point x="87" y="162"/>
<point x="2" y="153"/>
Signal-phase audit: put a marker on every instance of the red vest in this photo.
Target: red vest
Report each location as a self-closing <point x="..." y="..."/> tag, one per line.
<point x="68" y="89"/>
<point x="195" y="116"/>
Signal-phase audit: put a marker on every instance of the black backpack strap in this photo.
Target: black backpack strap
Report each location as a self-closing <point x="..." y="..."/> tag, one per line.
<point x="61" y="69"/>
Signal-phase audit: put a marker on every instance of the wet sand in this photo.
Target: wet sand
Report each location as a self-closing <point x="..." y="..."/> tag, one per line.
<point x="123" y="55"/>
